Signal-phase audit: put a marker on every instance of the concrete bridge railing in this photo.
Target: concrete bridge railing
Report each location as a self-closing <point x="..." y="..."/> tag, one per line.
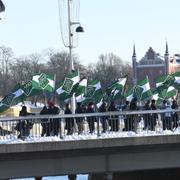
<point x="108" y="124"/>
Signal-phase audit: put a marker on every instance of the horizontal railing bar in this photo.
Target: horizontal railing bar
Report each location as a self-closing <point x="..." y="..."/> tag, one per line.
<point x="110" y="113"/>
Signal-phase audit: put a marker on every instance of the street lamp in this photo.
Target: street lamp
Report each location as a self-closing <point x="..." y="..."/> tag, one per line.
<point x="79" y="29"/>
<point x="69" y="25"/>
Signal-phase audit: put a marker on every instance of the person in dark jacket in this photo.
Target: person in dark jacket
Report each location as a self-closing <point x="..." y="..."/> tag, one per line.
<point x="175" y="117"/>
<point x="126" y="120"/>
<point x="50" y="111"/>
<point x="69" y="121"/>
<point x="168" y="117"/>
<point x="55" y="121"/>
<point x="147" y="117"/>
<point x="24" y="126"/>
<point x="45" y="123"/>
<point x="80" y="120"/>
<point x="113" y="120"/>
<point x="163" y="118"/>
<point x="154" y="116"/>
<point x="103" y="108"/>
<point x="133" y="119"/>
<point x="91" y="120"/>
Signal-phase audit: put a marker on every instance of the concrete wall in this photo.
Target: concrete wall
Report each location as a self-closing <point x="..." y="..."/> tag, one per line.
<point x="91" y="156"/>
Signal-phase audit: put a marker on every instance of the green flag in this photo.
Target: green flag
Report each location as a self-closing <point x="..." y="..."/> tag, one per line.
<point x="156" y="96"/>
<point x="164" y="81"/>
<point x="129" y="94"/>
<point x="18" y="93"/>
<point x="142" y="90"/>
<point x="67" y="87"/>
<point x="116" y="89"/>
<point x="176" y="76"/>
<point x="8" y="99"/>
<point x="63" y="95"/>
<point x="3" y="108"/>
<point x="164" y="94"/>
<point x="14" y="97"/>
<point x="171" y="92"/>
<point x="94" y="93"/>
<point x="44" y="82"/>
<point x="71" y="81"/>
<point x="81" y="90"/>
<point x="30" y="90"/>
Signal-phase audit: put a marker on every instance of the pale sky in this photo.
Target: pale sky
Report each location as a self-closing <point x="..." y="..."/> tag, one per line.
<point x="110" y="26"/>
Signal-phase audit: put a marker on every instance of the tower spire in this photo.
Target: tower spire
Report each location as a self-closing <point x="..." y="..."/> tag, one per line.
<point x="167" y="51"/>
<point x="134" y="65"/>
<point x="166" y="58"/>
<point x="134" y="50"/>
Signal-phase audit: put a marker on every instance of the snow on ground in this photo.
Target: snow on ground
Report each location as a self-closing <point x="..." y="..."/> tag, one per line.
<point x="12" y="139"/>
<point x="29" y="104"/>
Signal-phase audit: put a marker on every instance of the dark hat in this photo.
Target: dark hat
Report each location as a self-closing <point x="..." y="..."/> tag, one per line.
<point x="50" y="104"/>
<point x="91" y="103"/>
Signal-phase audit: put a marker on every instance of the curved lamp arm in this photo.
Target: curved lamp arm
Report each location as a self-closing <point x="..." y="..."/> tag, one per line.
<point x="2" y="7"/>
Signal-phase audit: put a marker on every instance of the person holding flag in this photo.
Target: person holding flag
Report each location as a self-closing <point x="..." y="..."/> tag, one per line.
<point x="103" y="108"/>
<point x="154" y="116"/>
<point x="113" y="120"/>
<point x="91" y="120"/>
<point x="80" y="120"/>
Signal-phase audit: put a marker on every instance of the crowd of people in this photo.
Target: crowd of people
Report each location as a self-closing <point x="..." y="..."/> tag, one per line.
<point x="108" y="122"/>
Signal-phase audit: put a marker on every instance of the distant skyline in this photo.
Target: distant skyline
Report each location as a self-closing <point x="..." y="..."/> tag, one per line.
<point x="110" y="27"/>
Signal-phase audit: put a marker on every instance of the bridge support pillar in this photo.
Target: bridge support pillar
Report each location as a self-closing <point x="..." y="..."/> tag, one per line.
<point x="108" y="176"/>
<point x="38" y="178"/>
<point x="72" y="177"/>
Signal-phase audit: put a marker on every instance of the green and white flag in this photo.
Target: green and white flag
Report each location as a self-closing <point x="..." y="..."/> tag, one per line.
<point x="94" y="93"/>
<point x="43" y="81"/>
<point x="142" y="90"/>
<point x="164" y="94"/>
<point x="93" y="87"/>
<point x="18" y="94"/>
<point x="81" y="90"/>
<point x="176" y="76"/>
<point x="171" y="92"/>
<point x="3" y="107"/>
<point x="30" y="90"/>
<point x="157" y="97"/>
<point x="14" y="97"/>
<point x="8" y="99"/>
<point x="71" y="81"/>
<point x="66" y="88"/>
<point x="164" y="81"/>
<point x="129" y="94"/>
<point x="117" y="88"/>
<point x="63" y="95"/>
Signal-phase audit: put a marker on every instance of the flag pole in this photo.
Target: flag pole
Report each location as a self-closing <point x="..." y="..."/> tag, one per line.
<point x="54" y="92"/>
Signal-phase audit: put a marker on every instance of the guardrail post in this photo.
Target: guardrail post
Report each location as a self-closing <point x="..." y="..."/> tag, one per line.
<point x="60" y="128"/>
<point x="98" y="130"/>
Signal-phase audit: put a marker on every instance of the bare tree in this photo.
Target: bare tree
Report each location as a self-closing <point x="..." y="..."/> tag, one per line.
<point x="6" y="55"/>
<point x="59" y="64"/>
<point x="23" y="68"/>
<point x="108" y="68"/>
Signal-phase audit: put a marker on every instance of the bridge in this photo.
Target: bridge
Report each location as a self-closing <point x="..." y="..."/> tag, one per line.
<point x="103" y="154"/>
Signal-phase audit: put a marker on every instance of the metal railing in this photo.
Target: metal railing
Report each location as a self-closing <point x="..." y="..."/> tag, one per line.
<point x="108" y="124"/>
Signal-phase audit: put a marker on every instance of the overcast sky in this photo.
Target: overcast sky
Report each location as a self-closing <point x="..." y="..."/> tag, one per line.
<point x="110" y="26"/>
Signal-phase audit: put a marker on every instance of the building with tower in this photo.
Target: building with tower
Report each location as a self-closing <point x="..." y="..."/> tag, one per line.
<point x="154" y="65"/>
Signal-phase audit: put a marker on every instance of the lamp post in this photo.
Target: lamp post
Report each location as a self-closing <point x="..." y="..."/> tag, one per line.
<point x="79" y="29"/>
